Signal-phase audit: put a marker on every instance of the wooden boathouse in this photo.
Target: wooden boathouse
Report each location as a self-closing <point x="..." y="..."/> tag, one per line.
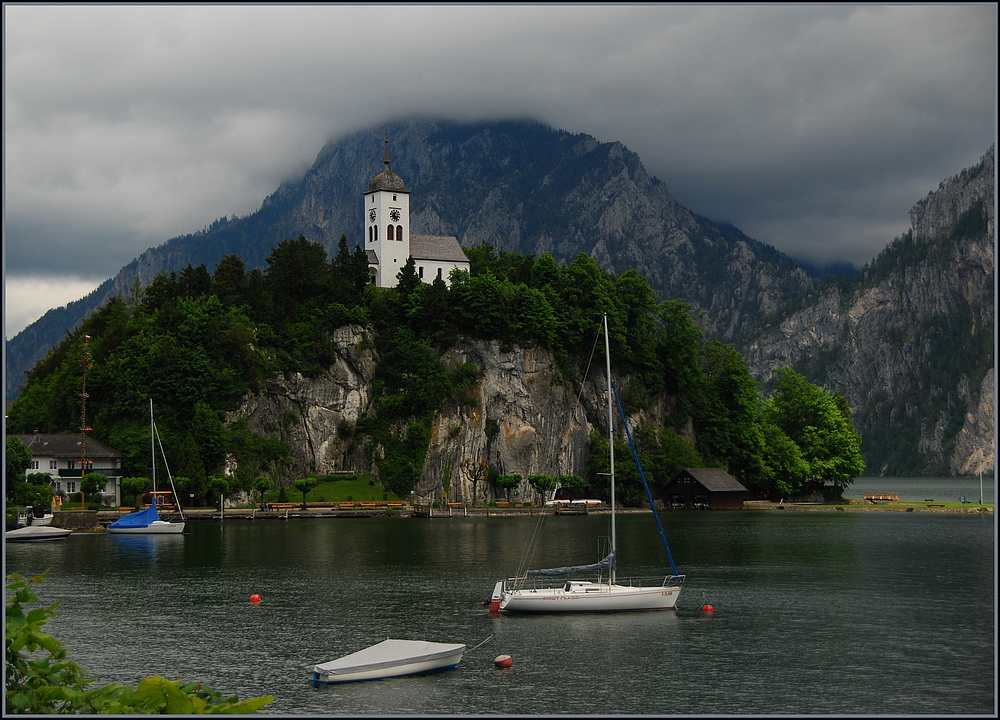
<point x="705" y="489"/>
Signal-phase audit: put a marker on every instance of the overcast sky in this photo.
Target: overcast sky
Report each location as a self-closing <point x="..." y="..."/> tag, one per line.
<point x="811" y="128"/>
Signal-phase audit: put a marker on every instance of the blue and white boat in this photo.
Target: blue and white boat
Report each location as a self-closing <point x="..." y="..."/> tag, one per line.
<point x="148" y="520"/>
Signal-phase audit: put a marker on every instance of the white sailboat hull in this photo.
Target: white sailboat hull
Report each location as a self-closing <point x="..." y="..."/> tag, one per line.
<point x="605" y="593"/>
<point x="160" y="527"/>
<point x="578" y="596"/>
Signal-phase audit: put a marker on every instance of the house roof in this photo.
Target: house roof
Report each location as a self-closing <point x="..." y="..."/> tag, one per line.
<point x="715" y="479"/>
<point x="65" y="446"/>
<point x="443" y="248"/>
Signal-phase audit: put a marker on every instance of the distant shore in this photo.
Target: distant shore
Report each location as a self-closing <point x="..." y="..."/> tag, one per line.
<point x="106" y="516"/>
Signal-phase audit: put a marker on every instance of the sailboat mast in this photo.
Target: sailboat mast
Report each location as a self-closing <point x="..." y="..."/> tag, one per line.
<point x="152" y="446"/>
<point x="611" y="448"/>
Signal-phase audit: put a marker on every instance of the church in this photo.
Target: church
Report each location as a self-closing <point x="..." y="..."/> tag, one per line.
<point x="390" y="243"/>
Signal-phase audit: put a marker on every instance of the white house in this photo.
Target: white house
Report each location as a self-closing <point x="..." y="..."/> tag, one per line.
<point x="61" y="457"/>
<point x="389" y="241"/>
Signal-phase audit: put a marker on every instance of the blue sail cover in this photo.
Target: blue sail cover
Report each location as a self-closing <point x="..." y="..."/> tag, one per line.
<point x="605" y="564"/>
<point x="141" y="519"/>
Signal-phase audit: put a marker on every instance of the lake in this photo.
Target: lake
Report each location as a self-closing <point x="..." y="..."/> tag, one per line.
<point x="815" y="613"/>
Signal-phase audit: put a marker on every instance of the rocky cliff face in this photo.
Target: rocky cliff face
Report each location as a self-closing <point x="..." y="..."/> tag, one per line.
<point x="910" y="345"/>
<point x="524" y="419"/>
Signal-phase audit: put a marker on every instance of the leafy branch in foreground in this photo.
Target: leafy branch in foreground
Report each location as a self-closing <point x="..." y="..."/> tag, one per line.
<point x="40" y="680"/>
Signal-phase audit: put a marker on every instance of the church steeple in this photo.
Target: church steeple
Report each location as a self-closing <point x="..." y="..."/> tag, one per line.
<point x="387" y="220"/>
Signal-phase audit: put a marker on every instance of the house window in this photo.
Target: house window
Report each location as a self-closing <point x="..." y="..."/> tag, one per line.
<point x="70" y="486"/>
<point x="34" y="464"/>
<point x="420" y="272"/>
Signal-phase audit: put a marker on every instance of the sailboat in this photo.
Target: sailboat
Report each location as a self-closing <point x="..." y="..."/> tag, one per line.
<point x="606" y="593"/>
<point x="148" y="521"/>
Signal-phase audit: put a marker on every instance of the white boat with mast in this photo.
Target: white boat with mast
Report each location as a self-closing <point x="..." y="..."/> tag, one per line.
<point x="148" y="521"/>
<point x="606" y="593"/>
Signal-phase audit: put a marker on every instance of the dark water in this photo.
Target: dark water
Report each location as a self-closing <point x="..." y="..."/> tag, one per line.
<point x="816" y="613"/>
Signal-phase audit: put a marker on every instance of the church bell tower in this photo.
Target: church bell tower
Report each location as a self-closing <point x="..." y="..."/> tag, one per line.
<point x="387" y="224"/>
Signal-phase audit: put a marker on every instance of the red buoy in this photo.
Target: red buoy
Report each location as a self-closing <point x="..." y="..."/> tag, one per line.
<point x="708" y="608"/>
<point x="503" y="661"/>
<point x="255" y="598"/>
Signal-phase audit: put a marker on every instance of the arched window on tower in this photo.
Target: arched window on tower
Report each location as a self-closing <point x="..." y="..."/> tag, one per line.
<point x="399" y="233"/>
<point x="369" y="233"/>
<point x="376" y="233"/>
<point x="390" y="233"/>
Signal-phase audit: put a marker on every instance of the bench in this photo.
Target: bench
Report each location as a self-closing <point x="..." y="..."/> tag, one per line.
<point x="503" y="504"/>
<point x="277" y="506"/>
<point x="454" y="505"/>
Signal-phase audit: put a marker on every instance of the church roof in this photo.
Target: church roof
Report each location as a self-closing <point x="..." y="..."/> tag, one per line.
<point x="387" y="180"/>
<point x="444" y="248"/>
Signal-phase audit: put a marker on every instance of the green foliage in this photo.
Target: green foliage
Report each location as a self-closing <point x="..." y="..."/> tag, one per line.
<point x="304" y="485"/>
<point x="17" y="459"/>
<point x="92" y="483"/>
<point x="506" y="483"/>
<point x="199" y="344"/>
<point x="819" y="425"/>
<point x="39" y="679"/>
<point x="542" y="483"/>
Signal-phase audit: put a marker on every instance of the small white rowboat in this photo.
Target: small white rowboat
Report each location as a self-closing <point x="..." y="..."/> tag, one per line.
<point x="390" y="658"/>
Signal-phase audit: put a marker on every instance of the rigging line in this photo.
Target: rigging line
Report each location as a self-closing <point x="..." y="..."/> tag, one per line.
<point x="590" y="362"/>
<point x="170" y="477"/>
<point x="649" y="495"/>
<point x="529" y="550"/>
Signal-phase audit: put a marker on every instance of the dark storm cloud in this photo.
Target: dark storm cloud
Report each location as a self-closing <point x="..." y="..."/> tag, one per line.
<point x="811" y="128"/>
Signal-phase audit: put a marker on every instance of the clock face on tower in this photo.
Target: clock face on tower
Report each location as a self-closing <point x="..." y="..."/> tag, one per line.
<point x="394" y="214"/>
<point x="371" y="215"/>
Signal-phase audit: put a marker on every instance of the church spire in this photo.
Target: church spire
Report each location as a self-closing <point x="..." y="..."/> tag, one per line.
<point x="385" y="155"/>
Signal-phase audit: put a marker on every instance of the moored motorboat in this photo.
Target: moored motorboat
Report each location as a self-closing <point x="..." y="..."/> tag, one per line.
<point x="390" y="658"/>
<point x="37" y="533"/>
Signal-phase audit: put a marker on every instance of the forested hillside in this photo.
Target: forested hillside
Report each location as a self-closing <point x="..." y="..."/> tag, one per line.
<point x="201" y="343"/>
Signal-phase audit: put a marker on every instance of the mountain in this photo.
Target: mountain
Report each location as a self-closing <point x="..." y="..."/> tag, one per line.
<point x="520" y="186"/>
<point x="910" y="343"/>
